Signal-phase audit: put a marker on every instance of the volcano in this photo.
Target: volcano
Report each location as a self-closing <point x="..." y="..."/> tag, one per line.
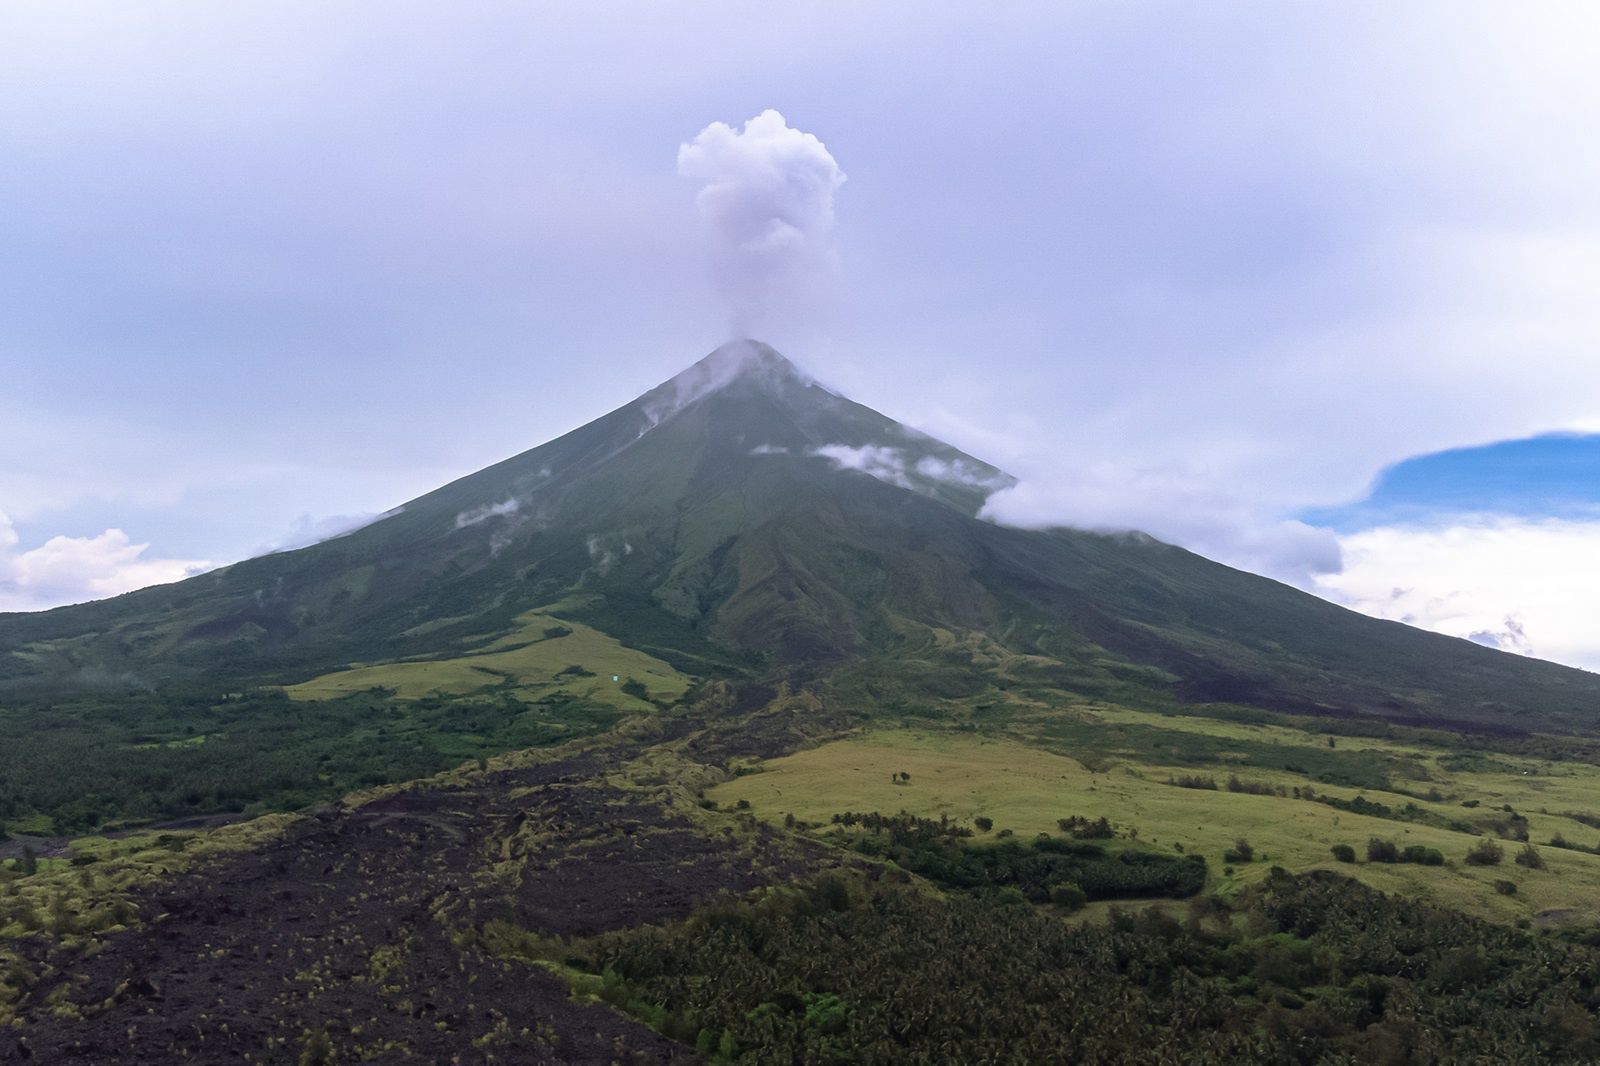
<point x="724" y="728"/>
<point x="742" y="520"/>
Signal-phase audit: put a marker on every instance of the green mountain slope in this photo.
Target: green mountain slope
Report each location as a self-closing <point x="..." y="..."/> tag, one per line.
<point x="741" y="519"/>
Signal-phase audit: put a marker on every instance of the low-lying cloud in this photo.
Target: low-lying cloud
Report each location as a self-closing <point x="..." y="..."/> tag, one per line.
<point x="74" y="569"/>
<point x="307" y="530"/>
<point x="1170" y="508"/>
<point x="766" y="194"/>
<point x="476" y="515"/>
<point x="879" y="461"/>
<point x="1519" y="585"/>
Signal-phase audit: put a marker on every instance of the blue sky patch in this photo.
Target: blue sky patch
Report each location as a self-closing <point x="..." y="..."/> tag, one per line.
<point x="1555" y="475"/>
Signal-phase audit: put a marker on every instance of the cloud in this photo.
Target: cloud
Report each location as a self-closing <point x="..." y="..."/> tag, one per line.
<point x="307" y="531"/>
<point x="1506" y="582"/>
<point x="879" y="461"/>
<point x="961" y="472"/>
<point x="1168" y="506"/>
<point x="766" y="195"/>
<point x="73" y="569"/>
<point x="489" y="510"/>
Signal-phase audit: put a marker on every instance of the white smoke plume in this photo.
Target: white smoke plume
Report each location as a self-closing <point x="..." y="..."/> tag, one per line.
<point x="767" y="197"/>
<point x="485" y="512"/>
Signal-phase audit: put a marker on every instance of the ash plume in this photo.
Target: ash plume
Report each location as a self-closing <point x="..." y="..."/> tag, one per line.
<point x="766" y="194"/>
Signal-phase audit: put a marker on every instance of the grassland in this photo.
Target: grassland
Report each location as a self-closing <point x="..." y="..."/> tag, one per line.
<point x="543" y="656"/>
<point x="1025" y="784"/>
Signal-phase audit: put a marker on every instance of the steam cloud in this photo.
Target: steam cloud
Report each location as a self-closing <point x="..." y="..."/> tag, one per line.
<point x="767" y="196"/>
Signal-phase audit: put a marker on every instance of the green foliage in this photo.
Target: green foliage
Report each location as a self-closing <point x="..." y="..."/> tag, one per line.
<point x="1529" y="856"/>
<point x="1485" y="853"/>
<point x="1240" y="852"/>
<point x="95" y="761"/>
<point x="1068" y="896"/>
<point x="1320" y="970"/>
<point x="1081" y="828"/>
<point x="935" y="850"/>
<point x="1422" y="856"/>
<point x="1343" y="852"/>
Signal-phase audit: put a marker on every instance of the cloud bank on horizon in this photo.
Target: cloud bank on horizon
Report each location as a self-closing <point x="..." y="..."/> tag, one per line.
<point x="766" y="194"/>
<point x="74" y="569"/>
<point x="1207" y="273"/>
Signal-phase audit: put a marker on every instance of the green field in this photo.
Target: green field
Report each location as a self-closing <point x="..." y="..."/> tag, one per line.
<point x="543" y="656"/>
<point x="1026" y="789"/>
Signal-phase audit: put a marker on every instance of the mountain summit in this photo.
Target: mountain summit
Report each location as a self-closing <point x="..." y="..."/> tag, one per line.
<point x="741" y="519"/>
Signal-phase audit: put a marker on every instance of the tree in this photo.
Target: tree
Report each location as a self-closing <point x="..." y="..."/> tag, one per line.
<point x="1241" y="852"/>
<point x="1529" y="856"/>
<point x="1343" y="852"/>
<point x="1068" y="896"/>
<point x="1485" y="853"/>
<point x="1382" y="851"/>
<point x="29" y="862"/>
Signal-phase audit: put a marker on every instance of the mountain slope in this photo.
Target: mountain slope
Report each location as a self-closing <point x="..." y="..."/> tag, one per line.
<point x="741" y="519"/>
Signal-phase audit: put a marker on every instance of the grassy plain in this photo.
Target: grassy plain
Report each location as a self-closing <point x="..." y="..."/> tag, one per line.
<point x="544" y="655"/>
<point x="1027" y="784"/>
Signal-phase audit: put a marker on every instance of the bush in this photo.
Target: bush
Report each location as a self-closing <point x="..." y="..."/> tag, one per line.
<point x="1506" y="888"/>
<point x="1485" y="853"/>
<point x="983" y="823"/>
<point x="1080" y="828"/>
<point x="1422" y="856"/>
<point x="1068" y="896"/>
<point x="1343" y="852"/>
<point x="1529" y="856"/>
<point x="1382" y="851"/>
<point x="1199" y="781"/>
<point x="1240" y="852"/>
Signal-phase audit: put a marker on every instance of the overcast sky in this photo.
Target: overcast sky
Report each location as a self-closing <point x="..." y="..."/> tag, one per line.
<point x="1205" y="270"/>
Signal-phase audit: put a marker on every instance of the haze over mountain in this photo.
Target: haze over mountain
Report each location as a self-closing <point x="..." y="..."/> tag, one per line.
<point x="741" y="519"/>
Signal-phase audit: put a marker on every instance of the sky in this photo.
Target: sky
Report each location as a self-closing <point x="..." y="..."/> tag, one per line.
<point x="1309" y="289"/>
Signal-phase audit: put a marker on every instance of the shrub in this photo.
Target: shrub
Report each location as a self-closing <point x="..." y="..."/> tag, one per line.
<point x="1382" y="851"/>
<point x="1422" y="856"/>
<point x="1199" y="781"/>
<point x="1068" y="896"/>
<point x="983" y="823"/>
<point x="1485" y="853"/>
<point x="1343" y="852"/>
<point x="1529" y="856"/>
<point x="1506" y="888"/>
<point x="1080" y="828"/>
<point x="1240" y="852"/>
